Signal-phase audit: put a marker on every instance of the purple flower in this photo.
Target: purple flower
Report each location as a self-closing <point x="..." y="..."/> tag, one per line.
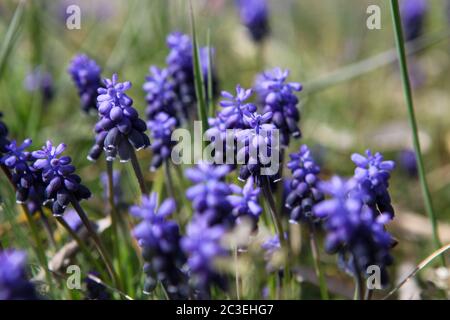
<point x="353" y="230"/>
<point x="304" y="193"/>
<point x="234" y="108"/>
<point x="14" y="284"/>
<point x="58" y="175"/>
<point x="73" y="220"/>
<point x="209" y="194"/>
<point x="372" y="174"/>
<point x="160" y="242"/>
<point x="17" y="159"/>
<point x="3" y="135"/>
<point x="413" y="15"/>
<point x="256" y="147"/>
<point x="245" y="201"/>
<point x="278" y="97"/>
<point x="408" y="162"/>
<point x="202" y="244"/>
<point x="38" y="80"/>
<point x="254" y="16"/>
<point x="161" y="128"/>
<point x="119" y="123"/>
<point x="85" y="74"/>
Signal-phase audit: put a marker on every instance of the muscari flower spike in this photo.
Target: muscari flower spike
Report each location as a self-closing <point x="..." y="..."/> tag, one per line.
<point x="160" y="242"/>
<point x="303" y="194"/>
<point x="85" y="73"/>
<point x="256" y="146"/>
<point x="245" y="201"/>
<point x="353" y="231"/>
<point x="39" y="80"/>
<point x="161" y="128"/>
<point x="373" y="173"/>
<point x="202" y="245"/>
<point x="14" y="284"/>
<point x="209" y="194"/>
<point x="413" y="16"/>
<point x="62" y="185"/>
<point x="254" y="16"/>
<point x="408" y="162"/>
<point x="234" y="108"/>
<point x="278" y="97"/>
<point x="119" y="124"/>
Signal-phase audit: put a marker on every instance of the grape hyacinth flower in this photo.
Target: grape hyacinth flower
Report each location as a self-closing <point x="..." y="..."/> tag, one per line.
<point x="39" y="80"/>
<point x="413" y="15"/>
<point x="353" y="231"/>
<point x="255" y="17"/>
<point x="372" y="174"/>
<point x="272" y="246"/>
<point x="58" y="175"/>
<point x="234" y="108"/>
<point x="160" y="94"/>
<point x="96" y="290"/>
<point x="73" y="220"/>
<point x="209" y="194"/>
<point x="278" y="97"/>
<point x="161" y="128"/>
<point x="202" y="245"/>
<point x="245" y="202"/>
<point x="17" y="159"/>
<point x="304" y="193"/>
<point x="407" y="160"/>
<point x="85" y="74"/>
<point x="14" y="284"/>
<point x="3" y="135"/>
<point x="119" y="123"/>
<point x="160" y="242"/>
<point x="257" y="148"/>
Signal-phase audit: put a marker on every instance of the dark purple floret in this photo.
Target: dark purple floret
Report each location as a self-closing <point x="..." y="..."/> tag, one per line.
<point x="73" y="220"/>
<point x="304" y="193"/>
<point x="245" y="202"/>
<point x="39" y="80"/>
<point x="161" y="128"/>
<point x="85" y="74"/>
<point x="408" y="162"/>
<point x="17" y="160"/>
<point x="255" y="16"/>
<point x="372" y="174"/>
<point x="14" y="283"/>
<point x="209" y="194"/>
<point x="256" y="147"/>
<point x="413" y="16"/>
<point x="202" y="244"/>
<point x="62" y="185"/>
<point x="353" y="230"/>
<point x="160" y="242"/>
<point x="278" y="97"/>
<point x="3" y="135"/>
<point x="119" y="124"/>
<point x="95" y="289"/>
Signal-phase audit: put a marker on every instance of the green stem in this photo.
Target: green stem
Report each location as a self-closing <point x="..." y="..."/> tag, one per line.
<point x="396" y="19"/>
<point x="137" y="170"/>
<point x="317" y="266"/>
<point x="359" y="285"/>
<point x="169" y="185"/>
<point x="101" y="249"/>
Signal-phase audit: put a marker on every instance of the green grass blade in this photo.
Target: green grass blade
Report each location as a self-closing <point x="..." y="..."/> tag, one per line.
<point x="396" y="19"/>
<point x="211" y="108"/>
<point x="198" y="76"/>
<point x="11" y="36"/>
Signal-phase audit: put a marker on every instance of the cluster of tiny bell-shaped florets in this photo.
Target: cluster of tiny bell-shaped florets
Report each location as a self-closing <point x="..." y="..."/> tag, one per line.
<point x="254" y="16"/>
<point x="119" y="130"/>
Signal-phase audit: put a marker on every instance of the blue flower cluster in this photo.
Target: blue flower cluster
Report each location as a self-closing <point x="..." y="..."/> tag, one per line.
<point x="14" y="284"/>
<point x="372" y="174"/>
<point x="278" y="97"/>
<point x="303" y="194"/>
<point x="62" y="185"/>
<point x="353" y="230"/>
<point x="245" y="202"/>
<point x="119" y="124"/>
<point x="161" y="128"/>
<point x="85" y="73"/>
<point x="160" y="242"/>
<point x="255" y="17"/>
<point x="40" y="81"/>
